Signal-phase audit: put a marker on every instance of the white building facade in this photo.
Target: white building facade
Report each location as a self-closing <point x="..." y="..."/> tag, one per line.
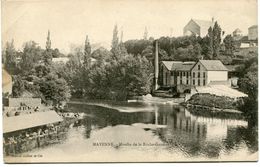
<point x="253" y="32"/>
<point x="193" y="74"/>
<point x="198" y="27"/>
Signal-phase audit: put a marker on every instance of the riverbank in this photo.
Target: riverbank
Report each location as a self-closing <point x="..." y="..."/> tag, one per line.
<point x="119" y="106"/>
<point x="206" y="101"/>
<point x="16" y="144"/>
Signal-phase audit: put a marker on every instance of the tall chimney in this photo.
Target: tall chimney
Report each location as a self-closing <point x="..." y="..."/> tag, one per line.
<point x="156" y="65"/>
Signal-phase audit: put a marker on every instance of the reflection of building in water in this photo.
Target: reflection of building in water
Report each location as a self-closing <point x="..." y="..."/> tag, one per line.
<point x="197" y="134"/>
<point x="217" y="128"/>
<point x="181" y="122"/>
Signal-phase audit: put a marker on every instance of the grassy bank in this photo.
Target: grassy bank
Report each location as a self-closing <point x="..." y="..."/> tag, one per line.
<point x="213" y="101"/>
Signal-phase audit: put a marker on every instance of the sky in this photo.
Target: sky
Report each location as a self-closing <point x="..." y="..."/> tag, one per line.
<point x="69" y="21"/>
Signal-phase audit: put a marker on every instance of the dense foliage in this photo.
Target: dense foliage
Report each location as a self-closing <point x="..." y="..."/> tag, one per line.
<point x="33" y="73"/>
<point x="214" y="101"/>
<point x="248" y="83"/>
<point x="185" y="48"/>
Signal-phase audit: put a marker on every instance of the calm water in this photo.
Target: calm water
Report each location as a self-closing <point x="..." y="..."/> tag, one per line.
<point x="137" y="132"/>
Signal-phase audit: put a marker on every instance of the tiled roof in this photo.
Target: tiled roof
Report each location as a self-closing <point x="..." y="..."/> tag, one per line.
<point x="178" y="65"/>
<point x="213" y="65"/>
<point x="26" y="121"/>
<point x="60" y="59"/>
<point x="168" y="64"/>
<point x="254" y="26"/>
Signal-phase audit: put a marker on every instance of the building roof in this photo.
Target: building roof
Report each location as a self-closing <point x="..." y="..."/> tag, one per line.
<point x="221" y="90"/>
<point x="178" y="65"/>
<point x="168" y="64"/>
<point x="254" y="26"/>
<point x="203" y="23"/>
<point x="25" y="121"/>
<point x="60" y="60"/>
<point x="183" y="66"/>
<point x="213" y="65"/>
<point x="237" y="31"/>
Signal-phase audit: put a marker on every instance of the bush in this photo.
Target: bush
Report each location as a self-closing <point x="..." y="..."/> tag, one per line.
<point x="210" y="100"/>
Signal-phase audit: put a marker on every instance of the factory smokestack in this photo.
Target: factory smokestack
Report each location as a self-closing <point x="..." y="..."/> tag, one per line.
<point x="156" y="65"/>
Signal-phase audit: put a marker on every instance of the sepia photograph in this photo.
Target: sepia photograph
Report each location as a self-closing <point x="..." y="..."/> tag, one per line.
<point x="129" y="81"/>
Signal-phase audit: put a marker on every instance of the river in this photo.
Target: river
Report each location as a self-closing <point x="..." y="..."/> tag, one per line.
<point x="126" y="132"/>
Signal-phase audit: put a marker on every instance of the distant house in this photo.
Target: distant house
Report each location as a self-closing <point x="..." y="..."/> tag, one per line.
<point x="60" y="60"/>
<point x="253" y="32"/>
<point x="251" y="39"/>
<point x="198" y="27"/>
<point x="206" y="72"/>
<point x="237" y="34"/>
<point x="187" y="75"/>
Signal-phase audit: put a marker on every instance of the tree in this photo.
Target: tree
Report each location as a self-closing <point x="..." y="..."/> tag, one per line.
<point x="47" y="55"/>
<point x="101" y="54"/>
<point x="229" y="44"/>
<point x="121" y="36"/>
<point x="48" y="42"/>
<point x="56" y="53"/>
<point x="54" y="89"/>
<point x="32" y="55"/>
<point x="10" y="58"/>
<point x="136" y="47"/>
<point x="115" y="41"/>
<point x="18" y="86"/>
<point x="197" y="51"/>
<point x="148" y="52"/>
<point x="210" y="41"/>
<point x="216" y="40"/>
<point x="248" y="83"/>
<point x="87" y="50"/>
<point x="145" y="34"/>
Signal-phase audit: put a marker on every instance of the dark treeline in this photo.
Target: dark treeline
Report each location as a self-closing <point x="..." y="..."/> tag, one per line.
<point x="33" y="73"/>
<point x="193" y="48"/>
<point x="98" y="74"/>
<point x="125" y="70"/>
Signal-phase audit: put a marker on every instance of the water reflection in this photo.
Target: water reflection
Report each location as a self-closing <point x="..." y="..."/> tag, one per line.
<point x="193" y="135"/>
<point x="182" y="135"/>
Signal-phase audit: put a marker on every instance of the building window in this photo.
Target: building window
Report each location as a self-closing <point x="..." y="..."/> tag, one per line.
<point x="198" y="67"/>
<point x="193" y="74"/>
<point x="184" y="73"/>
<point x="187" y="82"/>
<point x="204" y="82"/>
<point x="198" y="74"/>
<point x="204" y="75"/>
<point x="181" y="81"/>
<point x="171" y="73"/>
<point x="193" y="81"/>
<point x="198" y="82"/>
<point x="181" y="74"/>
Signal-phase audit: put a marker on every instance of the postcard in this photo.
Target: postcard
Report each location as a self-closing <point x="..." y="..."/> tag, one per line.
<point x="129" y="81"/>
